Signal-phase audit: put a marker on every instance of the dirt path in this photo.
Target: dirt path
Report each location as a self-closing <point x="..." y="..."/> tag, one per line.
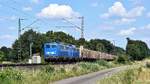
<point x="90" y="78"/>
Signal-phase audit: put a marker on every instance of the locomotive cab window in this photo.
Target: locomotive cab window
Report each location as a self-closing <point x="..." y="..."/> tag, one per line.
<point x="47" y="46"/>
<point x="67" y="48"/>
<point x="53" y="46"/>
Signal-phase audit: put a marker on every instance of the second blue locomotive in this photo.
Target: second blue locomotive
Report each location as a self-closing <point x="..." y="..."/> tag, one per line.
<point x="55" y="51"/>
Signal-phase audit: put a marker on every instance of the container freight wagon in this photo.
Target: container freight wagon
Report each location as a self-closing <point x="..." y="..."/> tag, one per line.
<point x="90" y="54"/>
<point x="59" y="51"/>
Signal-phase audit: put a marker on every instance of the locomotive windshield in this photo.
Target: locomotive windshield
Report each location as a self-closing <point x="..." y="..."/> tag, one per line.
<point x="47" y="46"/>
<point x="51" y="46"/>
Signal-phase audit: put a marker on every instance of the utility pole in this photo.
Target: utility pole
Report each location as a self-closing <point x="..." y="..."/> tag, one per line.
<point x="114" y="51"/>
<point x="31" y="44"/>
<point x="19" y="41"/>
<point x="20" y="29"/>
<point x="82" y="26"/>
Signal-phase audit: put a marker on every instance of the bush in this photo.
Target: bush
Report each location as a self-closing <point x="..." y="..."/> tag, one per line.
<point x="103" y="63"/>
<point x="85" y="65"/>
<point x="137" y="49"/>
<point x="122" y="59"/>
<point x="8" y="76"/>
<point x="75" y="69"/>
<point x="148" y="64"/>
<point x="129" y="76"/>
<point x="48" y="69"/>
<point x="94" y="66"/>
<point x="62" y="70"/>
<point x="89" y="67"/>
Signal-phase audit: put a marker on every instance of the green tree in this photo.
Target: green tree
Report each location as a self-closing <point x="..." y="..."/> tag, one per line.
<point x="119" y="51"/>
<point x="81" y="41"/>
<point x="28" y="37"/>
<point x="1" y="56"/>
<point x="38" y="40"/>
<point x="51" y="36"/>
<point x="7" y="52"/>
<point x="122" y="59"/>
<point x="100" y="45"/>
<point x="136" y="49"/>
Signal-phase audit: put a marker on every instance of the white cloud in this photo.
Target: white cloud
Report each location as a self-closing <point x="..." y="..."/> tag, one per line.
<point x="35" y="1"/>
<point x="7" y="36"/>
<point x="57" y="11"/>
<point x="124" y="16"/>
<point x="135" y="12"/>
<point x="124" y="21"/>
<point x="95" y="4"/>
<point x="136" y="2"/>
<point x="127" y="32"/>
<point x="118" y="9"/>
<point x="27" y="8"/>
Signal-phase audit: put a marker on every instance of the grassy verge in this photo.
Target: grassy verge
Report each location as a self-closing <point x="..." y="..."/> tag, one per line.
<point x="139" y="75"/>
<point x="51" y="73"/>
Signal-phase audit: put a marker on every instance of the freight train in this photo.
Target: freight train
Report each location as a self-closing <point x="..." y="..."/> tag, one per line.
<point x="59" y="51"/>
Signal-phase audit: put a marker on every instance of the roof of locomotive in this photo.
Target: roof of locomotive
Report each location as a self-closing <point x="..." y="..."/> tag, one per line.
<point x="60" y="43"/>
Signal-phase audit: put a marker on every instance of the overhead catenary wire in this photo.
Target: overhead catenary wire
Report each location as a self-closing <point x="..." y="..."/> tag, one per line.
<point x="39" y="19"/>
<point x="30" y="24"/>
<point x="71" y="23"/>
<point x="81" y="27"/>
<point x="26" y="14"/>
<point x="44" y="22"/>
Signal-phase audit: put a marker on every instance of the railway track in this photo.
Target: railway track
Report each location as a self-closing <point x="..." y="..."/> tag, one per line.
<point x="33" y="66"/>
<point x="15" y="65"/>
<point x="22" y="66"/>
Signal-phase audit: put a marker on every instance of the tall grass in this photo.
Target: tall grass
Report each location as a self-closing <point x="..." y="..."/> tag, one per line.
<point x="125" y="77"/>
<point x="50" y="73"/>
<point x="139" y="75"/>
<point x="11" y="76"/>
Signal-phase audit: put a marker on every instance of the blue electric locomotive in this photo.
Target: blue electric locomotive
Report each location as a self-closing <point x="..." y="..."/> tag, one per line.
<point x="55" y="51"/>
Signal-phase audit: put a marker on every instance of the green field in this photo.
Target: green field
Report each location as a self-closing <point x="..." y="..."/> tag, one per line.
<point x="140" y="75"/>
<point x="51" y="73"/>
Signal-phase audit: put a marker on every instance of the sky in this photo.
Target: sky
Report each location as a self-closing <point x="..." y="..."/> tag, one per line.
<point x="114" y="20"/>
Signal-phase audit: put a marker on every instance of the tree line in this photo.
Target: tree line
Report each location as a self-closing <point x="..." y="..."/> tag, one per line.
<point x="135" y="50"/>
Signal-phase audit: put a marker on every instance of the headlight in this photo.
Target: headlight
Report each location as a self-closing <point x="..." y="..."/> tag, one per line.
<point x="51" y="53"/>
<point x="47" y="52"/>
